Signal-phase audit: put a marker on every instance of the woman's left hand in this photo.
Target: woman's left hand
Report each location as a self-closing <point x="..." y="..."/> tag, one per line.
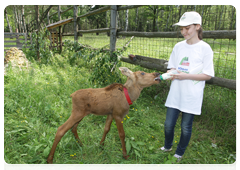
<point x="180" y="76"/>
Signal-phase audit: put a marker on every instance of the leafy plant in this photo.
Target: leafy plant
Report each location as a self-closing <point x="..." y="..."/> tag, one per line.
<point x="133" y="145"/>
<point x="41" y="51"/>
<point x="104" y="70"/>
<point x="102" y="63"/>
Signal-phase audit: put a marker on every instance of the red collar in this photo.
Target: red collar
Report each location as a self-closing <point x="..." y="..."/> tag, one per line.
<point x="127" y="96"/>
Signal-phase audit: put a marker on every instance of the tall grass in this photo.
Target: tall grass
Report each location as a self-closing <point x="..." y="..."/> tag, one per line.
<point x="37" y="101"/>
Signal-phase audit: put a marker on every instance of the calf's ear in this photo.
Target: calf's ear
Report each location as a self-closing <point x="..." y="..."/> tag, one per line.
<point x="125" y="71"/>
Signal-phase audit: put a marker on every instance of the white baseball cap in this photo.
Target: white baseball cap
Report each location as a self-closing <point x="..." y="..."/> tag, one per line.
<point x="189" y="18"/>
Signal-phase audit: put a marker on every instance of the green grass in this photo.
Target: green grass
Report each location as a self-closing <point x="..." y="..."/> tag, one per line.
<point x="37" y="101"/>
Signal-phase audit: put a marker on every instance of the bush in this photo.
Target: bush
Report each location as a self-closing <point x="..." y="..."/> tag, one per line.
<point x="45" y="54"/>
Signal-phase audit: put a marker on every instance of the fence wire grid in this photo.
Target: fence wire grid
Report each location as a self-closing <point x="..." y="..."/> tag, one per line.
<point x="214" y="18"/>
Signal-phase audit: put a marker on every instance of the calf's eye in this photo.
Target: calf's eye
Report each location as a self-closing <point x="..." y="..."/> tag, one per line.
<point x="142" y="73"/>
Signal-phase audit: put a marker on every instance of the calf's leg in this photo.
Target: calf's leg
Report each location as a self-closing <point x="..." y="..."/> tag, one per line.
<point x="121" y="135"/>
<point x="61" y="131"/>
<point x="107" y="128"/>
<point x="74" y="131"/>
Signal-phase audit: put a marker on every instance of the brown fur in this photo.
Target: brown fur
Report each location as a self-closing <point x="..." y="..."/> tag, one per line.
<point x="113" y="86"/>
<point x="110" y="101"/>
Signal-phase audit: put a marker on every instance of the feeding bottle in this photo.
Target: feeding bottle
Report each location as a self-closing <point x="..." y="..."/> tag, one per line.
<point x="166" y="76"/>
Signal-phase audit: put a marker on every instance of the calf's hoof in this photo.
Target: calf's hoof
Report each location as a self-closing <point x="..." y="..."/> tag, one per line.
<point x="102" y="146"/>
<point x="50" y="159"/>
<point x="50" y="163"/>
<point x="126" y="157"/>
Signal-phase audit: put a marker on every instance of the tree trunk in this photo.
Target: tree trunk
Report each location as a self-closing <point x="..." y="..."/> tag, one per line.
<point x="20" y="21"/>
<point x="122" y="25"/>
<point x="168" y="18"/>
<point x="202" y="11"/>
<point x="15" y="14"/>
<point x="108" y="33"/>
<point x="157" y="20"/>
<point x="59" y="13"/>
<point x="235" y="27"/>
<point x="154" y="18"/>
<point x="136" y="21"/>
<point x="232" y="20"/>
<point x="224" y="18"/>
<point x="37" y="17"/>
<point x="206" y="16"/>
<point x="106" y="19"/>
<point x="161" y="16"/>
<point x="97" y="25"/>
<point x="10" y="28"/>
<point x="220" y="20"/>
<point x="23" y="20"/>
<point x="202" y="14"/>
<point x="126" y="20"/>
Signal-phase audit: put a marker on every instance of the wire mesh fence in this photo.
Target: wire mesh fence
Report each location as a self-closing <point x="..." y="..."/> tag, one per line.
<point x="214" y="18"/>
<point x="218" y="17"/>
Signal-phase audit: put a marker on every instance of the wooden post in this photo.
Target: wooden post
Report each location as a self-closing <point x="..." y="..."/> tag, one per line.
<point x="60" y="39"/>
<point x="38" y="30"/>
<point x="17" y="39"/>
<point x="56" y="39"/>
<point x="31" y="38"/>
<point x="113" y="28"/>
<point x="60" y="30"/>
<point x="25" y="35"/>
<point x="75" y="25"/>
<point x="52" y="38"/>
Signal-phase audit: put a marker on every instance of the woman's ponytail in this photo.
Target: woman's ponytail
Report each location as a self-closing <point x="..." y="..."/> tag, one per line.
<point x="200" y="33"/>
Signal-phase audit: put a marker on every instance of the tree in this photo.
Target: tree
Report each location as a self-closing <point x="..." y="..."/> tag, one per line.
<point x="16" y="18"/>
<point x="168" y="18"/>
<point x="9" y="26"/>
<point x="126" y="20"/>
<point x="151" y="12"/>
<point x="23" y="20"/>
<point x="136" y="22"/>
<point x="99" y="20"/>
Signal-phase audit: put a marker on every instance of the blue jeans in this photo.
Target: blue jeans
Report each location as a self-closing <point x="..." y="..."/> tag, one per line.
<point x="186" y="129"/>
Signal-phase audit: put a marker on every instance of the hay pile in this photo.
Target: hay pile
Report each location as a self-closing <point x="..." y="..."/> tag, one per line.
<point x="16" y="57"/>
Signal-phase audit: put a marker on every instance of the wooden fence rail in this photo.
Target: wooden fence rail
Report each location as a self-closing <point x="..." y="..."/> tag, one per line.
<point x="16" y="39"/>
<point x="221" y="34"/>
<point x="161" y="65"/>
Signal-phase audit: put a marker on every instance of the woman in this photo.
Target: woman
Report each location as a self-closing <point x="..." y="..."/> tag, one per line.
<point x="193" y="59"/>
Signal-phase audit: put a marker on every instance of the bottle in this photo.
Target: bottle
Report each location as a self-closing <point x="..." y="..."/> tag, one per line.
<point x="166" y="76"/>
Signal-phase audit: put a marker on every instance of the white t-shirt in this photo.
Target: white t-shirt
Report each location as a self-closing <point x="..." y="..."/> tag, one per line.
<point x="187" y="95"/>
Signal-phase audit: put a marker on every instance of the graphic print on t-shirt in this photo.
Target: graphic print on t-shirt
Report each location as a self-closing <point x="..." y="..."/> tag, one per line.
<point x="184" y="65"/>
<point x="184" y="62"/>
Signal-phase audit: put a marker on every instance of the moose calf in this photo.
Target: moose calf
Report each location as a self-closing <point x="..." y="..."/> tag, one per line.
<point x="113" y="101"/>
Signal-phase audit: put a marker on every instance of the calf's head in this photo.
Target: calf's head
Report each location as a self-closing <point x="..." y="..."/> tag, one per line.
<point x="141" y="78"/>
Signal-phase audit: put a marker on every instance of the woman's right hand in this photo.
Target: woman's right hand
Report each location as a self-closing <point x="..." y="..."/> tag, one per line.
<point x="168" y="72"/>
